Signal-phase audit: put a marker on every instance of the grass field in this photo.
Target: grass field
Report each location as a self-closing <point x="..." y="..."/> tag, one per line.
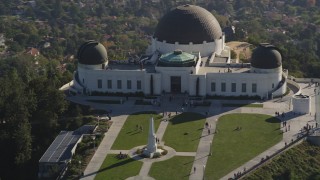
<point x="300" y="162"/>
<point x="129" y="136"/>
<point x="232" y="148"/>
<point x="178" y="167"/>
<point x="113" y="168"/>
<point x="184" y="131"/>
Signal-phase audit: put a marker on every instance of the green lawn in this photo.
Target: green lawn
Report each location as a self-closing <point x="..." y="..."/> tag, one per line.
<point x="130" y="137"/>
<point x="113" y="168"/>
<point x="243" y="105"/>
<point x="178" y="167"/>
<point x="300" y="162"/>
<point x="184" y="131"/>
<point x="232" y="148"/>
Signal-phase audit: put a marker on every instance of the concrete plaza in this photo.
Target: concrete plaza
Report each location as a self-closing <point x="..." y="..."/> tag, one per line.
<point x="120" y="113"/>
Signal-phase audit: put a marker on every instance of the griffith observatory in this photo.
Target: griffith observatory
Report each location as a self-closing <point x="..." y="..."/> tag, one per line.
<point x="187" y="54"/>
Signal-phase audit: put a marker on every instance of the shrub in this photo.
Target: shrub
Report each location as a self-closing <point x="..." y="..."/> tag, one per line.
<point x="139" y="151"/>
<point x="164" y="152"/>
<point x="156" y="155"/>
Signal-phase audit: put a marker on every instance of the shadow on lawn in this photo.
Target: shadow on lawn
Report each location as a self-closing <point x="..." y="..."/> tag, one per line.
<point x="112" y="166"/>
<point x="273" y="120"/>
<point x="186" y="117"/>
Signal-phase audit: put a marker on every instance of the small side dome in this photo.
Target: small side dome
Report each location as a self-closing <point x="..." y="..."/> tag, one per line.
<point x="92" y="53"/>
<point x="177" y="58"/>
<point x="266" y="56"/>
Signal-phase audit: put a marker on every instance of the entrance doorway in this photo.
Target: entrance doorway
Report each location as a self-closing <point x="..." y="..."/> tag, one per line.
<point x="175" y="84"/>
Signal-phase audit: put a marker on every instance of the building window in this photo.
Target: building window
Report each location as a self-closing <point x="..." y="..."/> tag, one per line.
<point x="244" y="87"/>
<point x="213" y="87"/>
<point x="233" y="87"/>
<point x="99" y="83"/>
<point x="254" y="87"/>
<point x="129" y="84"/>
<point x="223" y="87"/>
<point x="139" y="85"/>
<point x="119" y="85"/>
<point x="109" y="84"/>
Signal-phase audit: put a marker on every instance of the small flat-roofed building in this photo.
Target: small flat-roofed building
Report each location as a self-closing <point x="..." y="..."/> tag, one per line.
<point x="60" y="152"/>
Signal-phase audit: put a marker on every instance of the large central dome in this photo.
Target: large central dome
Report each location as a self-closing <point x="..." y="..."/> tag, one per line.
<point x="188" y="23"/>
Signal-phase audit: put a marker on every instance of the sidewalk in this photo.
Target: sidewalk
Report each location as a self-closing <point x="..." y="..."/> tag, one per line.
<point x="215" y="111"/>
<point x="104" y="148"/>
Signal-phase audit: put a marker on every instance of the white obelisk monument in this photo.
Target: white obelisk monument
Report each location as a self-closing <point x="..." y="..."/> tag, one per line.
<point x="152" y="144"/>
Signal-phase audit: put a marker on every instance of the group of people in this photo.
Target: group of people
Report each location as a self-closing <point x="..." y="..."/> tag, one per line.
<point x="239" y="174"/>
<point x="284" y="125"/>
<point x="307" y="128"/>
<point x="167" y="114"/>
<point x="139" y="127"/>
<point x="278" y="114"/>
<point x="122" y="156"/>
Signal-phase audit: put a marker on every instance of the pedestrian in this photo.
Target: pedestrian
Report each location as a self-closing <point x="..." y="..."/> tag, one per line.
<point x="194" y="169"/>
<point x="208" y="131"/>
<point x="289" y="127"/>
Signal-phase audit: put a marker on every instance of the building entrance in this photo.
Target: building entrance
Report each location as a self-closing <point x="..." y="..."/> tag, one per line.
<point x="175" y="84"/>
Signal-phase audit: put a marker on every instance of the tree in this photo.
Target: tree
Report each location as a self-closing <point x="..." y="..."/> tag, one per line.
<point x="233" y="54"/>
<point x="16" y="105"/>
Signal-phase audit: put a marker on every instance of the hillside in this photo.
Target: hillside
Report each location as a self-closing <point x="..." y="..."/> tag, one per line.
<point x="300" y="162"/>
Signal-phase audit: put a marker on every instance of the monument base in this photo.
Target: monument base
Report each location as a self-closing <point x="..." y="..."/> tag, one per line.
<point x="154" y="154"/>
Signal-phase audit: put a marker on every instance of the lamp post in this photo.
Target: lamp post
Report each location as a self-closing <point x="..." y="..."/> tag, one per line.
<point x="210" y="148"/>
<point x="204" y="168"/>
<point x="94" y="142"/>
<point x="79" y="167"/>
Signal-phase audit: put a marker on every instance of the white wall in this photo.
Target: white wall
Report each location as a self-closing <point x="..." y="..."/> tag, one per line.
<point x="205" y="49"/>
<point x="193" y="85"/>
<point x="167" y="72"/>
<point x="301" y="105"/>
<point x="89" y="79"/>
<point x="264" y="83"/>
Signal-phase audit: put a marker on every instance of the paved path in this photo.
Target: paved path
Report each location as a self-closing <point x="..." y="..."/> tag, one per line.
<point x="161" y="129"/>
<point x="145" y="169"/>
<point x="104" y="148"/>
<point x="215" y="111"/>
<point x="203" y="150"/>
